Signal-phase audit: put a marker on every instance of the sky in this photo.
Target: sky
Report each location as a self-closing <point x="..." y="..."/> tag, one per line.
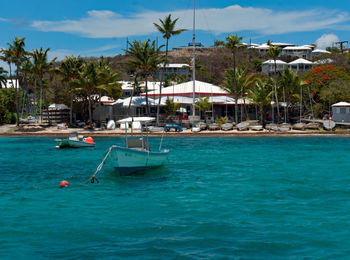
<point x="100" y="27"/>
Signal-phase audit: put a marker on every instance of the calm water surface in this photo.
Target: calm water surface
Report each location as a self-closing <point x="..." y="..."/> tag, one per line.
<point x="241" y="198"/>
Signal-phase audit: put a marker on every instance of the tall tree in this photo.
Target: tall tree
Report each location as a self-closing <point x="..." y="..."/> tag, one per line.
<point x="291" y="85"/>
<point x="203" y="105"/>
<point x="243" y="83"/>
<point x="15" y="54"/>
<point x="167" y="29"/>
<point x="233" y="43"/>
<point x="107" y="83"/>
<point x="145" y="57"/>
<point x="261" y="95"/>
<point x="69" y="71"/>
<point x="41" y="65"/>
<point x="87" y="83"/>
<point x="273" y="53"/>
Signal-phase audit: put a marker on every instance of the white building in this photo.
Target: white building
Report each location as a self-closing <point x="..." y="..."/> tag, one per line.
<point x="268" y="67"/>
<point x="341" y="112"/>
<point x="319" y="52"/>
<point x="10" y="84"/>
<point x="300" y="65"/>
<point x="202" y="89"/>
<point x="298" y="51"/>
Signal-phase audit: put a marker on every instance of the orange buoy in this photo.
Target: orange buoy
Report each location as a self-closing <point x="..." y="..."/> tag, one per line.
<point x="64" y="184"/>
<point x="89" y="140"/>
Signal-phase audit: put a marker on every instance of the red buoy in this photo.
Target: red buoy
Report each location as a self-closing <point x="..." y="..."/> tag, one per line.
<point x="89" y="140"/>
<point x="64" y="184"/>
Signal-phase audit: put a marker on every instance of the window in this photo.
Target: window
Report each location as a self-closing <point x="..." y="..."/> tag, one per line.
<point x="343" y="110"/>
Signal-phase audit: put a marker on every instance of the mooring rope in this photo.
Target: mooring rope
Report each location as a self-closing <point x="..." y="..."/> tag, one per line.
<point x="99" y="168"/>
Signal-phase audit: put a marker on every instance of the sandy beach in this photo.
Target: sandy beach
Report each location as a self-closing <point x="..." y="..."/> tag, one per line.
<point x="12" y="130"/>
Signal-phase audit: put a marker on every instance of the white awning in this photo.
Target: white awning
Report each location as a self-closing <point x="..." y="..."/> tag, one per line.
<point x="272" y="62"/>
<point x="135" y="101"/>
<point x="341" y="104"/>
<point x="300" y="61"/>
<point x="58" y="107"/>
<point x="186" y="89"/>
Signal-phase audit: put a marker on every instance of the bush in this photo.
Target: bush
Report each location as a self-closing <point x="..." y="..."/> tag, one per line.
<point x="7" y="106"/>
<point x="221" y="120"/>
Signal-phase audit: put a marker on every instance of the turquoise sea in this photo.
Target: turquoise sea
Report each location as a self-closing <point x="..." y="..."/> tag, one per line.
<point x="218" y="198"/>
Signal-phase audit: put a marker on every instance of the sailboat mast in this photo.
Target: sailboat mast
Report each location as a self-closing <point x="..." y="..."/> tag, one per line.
<point x="194" y="59"/>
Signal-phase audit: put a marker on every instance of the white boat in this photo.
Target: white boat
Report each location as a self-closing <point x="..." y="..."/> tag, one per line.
<point x="136" y="155"/>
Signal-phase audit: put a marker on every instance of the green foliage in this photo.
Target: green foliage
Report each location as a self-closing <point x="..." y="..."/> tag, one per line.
<point x="291" y="84"/>
<point x="167" y="27"/>
<point x="7" y="106"/>
<point x="145" y="56"/>
<point x="320" y="109"/>
<point x="243" y="82"/>
<point x="274" y="52"/>
<point x="221" y="120"/>
<point x="171" y="107"/>
<point x="257" y="64"/>
<point x="203" y="104"/>
<point x="338" y="90"/>
<point x="261" y="95"/>
<point x="233" y="42"/>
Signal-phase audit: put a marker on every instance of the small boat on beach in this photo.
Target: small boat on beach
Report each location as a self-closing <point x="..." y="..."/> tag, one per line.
<point x="299" y="126"/>
<point x="136" y="155"/>
<point x="214" y="127"/>
<point x="313" y="126"/>
<point x="243" y="126"/>
<point x="75" y="141"/>
<point x="328" y="125"/>
<point x="285" y="127"/>
<point x="227" y="127"/>
<point x="256" y="127"/>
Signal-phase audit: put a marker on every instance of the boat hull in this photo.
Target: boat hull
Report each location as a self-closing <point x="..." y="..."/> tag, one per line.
<point x="74" y="144"/>
<point x="127" y="161"/>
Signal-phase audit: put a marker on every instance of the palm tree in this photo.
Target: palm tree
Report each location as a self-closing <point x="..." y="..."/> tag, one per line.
<point x="69" y="70"/>
<point x="273" y="53"/>
<point x="86" y="83"/>
<point x="243" y="83"/>
<point x="145" y="58"/>
<point x="233" y="43"/>
<point x="107" y="83"/>
<point x="15" y="54"/>
<point x="203" y="105"/>
<point x="261" y="95"/>
<point x="167" y="28"/>
<point x="291" y="85"/>
<point x="41" y="65"/>
<point x="170" y="106"/>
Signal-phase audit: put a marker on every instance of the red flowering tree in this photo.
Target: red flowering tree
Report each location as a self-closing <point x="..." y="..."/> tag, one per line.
<point x="327" y="84"/>
<point x="321" y="76"/>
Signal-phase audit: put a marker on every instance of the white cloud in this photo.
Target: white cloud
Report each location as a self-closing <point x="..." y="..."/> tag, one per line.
<point x="107" y="24"/>
<point x="326" y="40"/>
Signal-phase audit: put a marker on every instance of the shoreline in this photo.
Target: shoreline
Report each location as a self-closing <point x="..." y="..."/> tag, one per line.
<point x="12" y="130"/>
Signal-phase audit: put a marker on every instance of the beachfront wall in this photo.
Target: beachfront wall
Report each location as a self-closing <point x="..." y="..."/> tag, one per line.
<point x="341" y="112"/>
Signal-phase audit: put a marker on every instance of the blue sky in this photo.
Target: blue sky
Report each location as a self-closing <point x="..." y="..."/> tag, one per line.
<point x="95" y="28"/>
